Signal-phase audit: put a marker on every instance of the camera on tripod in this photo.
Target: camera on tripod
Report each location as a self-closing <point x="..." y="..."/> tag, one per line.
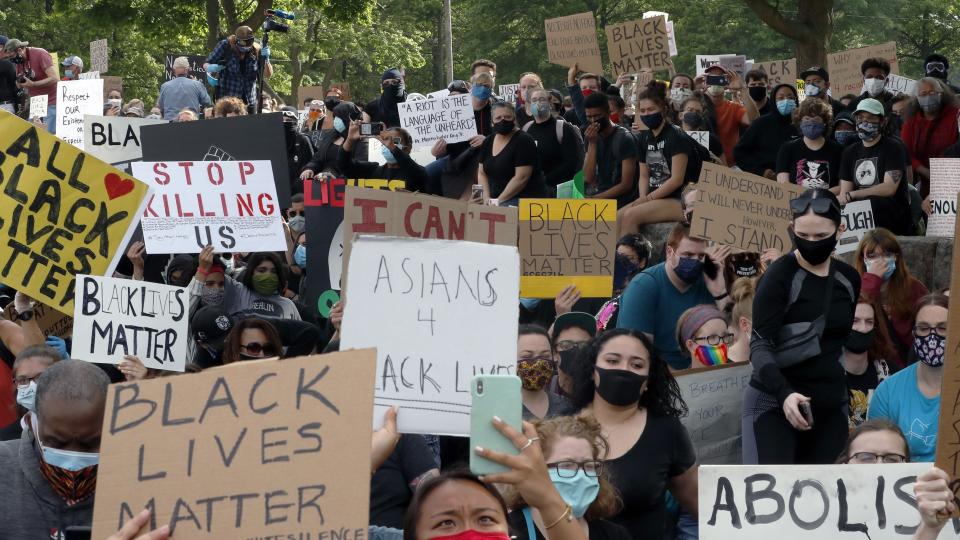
<point x="271" y="24"/>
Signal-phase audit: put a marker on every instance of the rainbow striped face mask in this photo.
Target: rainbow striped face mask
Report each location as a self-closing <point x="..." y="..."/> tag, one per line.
<point x="711" y="355"/>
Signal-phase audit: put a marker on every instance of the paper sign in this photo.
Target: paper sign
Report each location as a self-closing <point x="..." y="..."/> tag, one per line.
<point x="237" y="451"/>
<point x="429" y="120"/>
<point x="99" y="54"/>
<point x="420" y="300"/>
<point x="115" y="317"/>
<point x="573" y="40"/>
<point x="948" y="438"/>
<point x="115" y="139"/>
<point x="743" y="210"/>
<point x="760" y="502"/>
<point x="671" y="35"/>
<point x="88" y="75"/>
<point x="196" y="65"/>
<point x="901" y="85"/>
<point x="508" y="92"/>
<point x="858" y="218"/>
<point x="844" y="67"/>
<point x="62" y="213"/>
<point x="736" y="63"/>
<point x="38" y="106"/>
<point x="706" y="60"/>
<point x="635" y="45"/>
<point x="944" y="187"/>
<point x="231" y="206"/>
<point x="75" y="99"/>
<point x="50" y="321"/>
<point x="778" y="71"/>
<point x="567" y="242"/>
<point x="310" y="92"/>
<point x="714" y="396"/>
<point x="421" y="156"/>
<point x="702" y="137"/>
<point x="439" y="94"/>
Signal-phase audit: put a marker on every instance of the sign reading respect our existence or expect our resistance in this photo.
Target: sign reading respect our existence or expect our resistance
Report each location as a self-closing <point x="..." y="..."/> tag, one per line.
<point x="74" y="100"/>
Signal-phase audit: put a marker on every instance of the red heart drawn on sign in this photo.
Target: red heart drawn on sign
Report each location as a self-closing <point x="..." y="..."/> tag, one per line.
<point x="116" y="186"/>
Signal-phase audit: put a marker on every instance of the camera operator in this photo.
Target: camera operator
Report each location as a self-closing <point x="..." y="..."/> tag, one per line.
<point x="9" y="94"/>
<point x="37" y="73"/>
<point x="236" y="59"/>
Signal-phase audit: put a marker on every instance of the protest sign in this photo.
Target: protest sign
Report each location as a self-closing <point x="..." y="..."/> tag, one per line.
<point x="114" y="317"/>
<point x="702" y="137"/>
<point x="310" y="92"/>
<point x="567" y="242"/>
<point x="508" y="92"/>
<point x="75" y="99"/>
<point x="38" y="106"/>
<point x="858" y="218"/>
<point x="231" y="206"/>
<point x="743" y="210"/>
<point x="897" y="84"/>
<point x="50" y="321"/>
<point x="419" y="300"/>
<point x="196" y="66"/>
<point x="115" y="139"/>
<point x="323" y="201"/>
<point x="344" y="88"/>
<point x="87" y="75"/>
<point x="844" y="67"/>
<point x="420" y="156"/>
<point x="237" y="451"/>
<point x="944" y="187"/>
<point x="671" y="35"/>
<point x="759" y="502"/>
<point x="429" y="120"/>
<point x="736" y="63"/>
<point x="639" y="44"/>
<point x="704" y="61"/>
<point x="714" y="396"/>
<point x="62" y="212"/>
<point x="779" y="71"/>
<point x="573" y="40"/>
<point x="439" y="94"/>
<point x="223" y="139"/>
<point x="948" y="438"/>
<point x="99" y="54"/>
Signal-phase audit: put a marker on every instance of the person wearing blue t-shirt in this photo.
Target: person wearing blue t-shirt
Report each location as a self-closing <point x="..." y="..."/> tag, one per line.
<point x="655" y="298"/>
<point x="911" y="397"/>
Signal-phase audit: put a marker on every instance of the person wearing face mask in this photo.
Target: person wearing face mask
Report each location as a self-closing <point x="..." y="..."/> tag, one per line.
<point x="209" y="327"/>
<point x="535" y="367"/>
<point x="845" y="130"/>
<point x="50" y="472"/>
<point x="574" y="448"/>
<point x="393" y="91"/>
<point x="758" y="103"/>
<point x="703" y="336"/>
<point x="865" y="357"/>
<point x="875" y="170"/>
<point x="756" y="151"/>
<point x="36" y="69"/>
<point x="251" y="338"/>
<point x="731" y="117"/>
<point x="816" y="84"/>
<point x="681" y="89"/>
<point x="742" y="292"/>
<point x="692" y="117"/>
<point x="794" y="408"/>
<point x="559" y="144"/>
<point x="327" y="155"/>
<point x="812" y="161"/>
<point x="316" y="115"/>
<point x="396" y="146"/>
<point x="610" y="163"/>
<point x="260" y="289"/>
<point x="237" y="60"/>
<point x="72" y="68"/>
<point x="181" y="92"/>
<point x="931" y="128"/>
<point x="579" y="88"/>
<point x="911" y="397"/>
<point x="633" y="254"/>
<point x="875" y="72"/>
<point x="298" y="261"/>
<point x="27" y="368"/>
<point x="299" y="149"/>
<point x="883" y="269"/>
<point x="747" y="264"/>
<point x="509" y="165"/>
<point x="455" y="167"/>
<point x="528" y="83"/>
<point x="624" y="384"/>
<point x="937" y="66"/>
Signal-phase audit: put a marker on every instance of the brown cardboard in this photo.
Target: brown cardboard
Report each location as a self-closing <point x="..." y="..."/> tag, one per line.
<point x="51" y="321"/>
<point x="743" y="210"/>
<point x="639" y="44"/>
<point x="344" y="89"/>
<point x="291" y="436"/>
<point x="948" y="438"/>
<point x="779" y="71"/>
<point x="844" y="67"/>
<point x="312" y="92"/>
<point x="573" y="40"/>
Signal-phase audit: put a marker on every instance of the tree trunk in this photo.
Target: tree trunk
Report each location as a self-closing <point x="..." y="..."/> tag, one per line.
<point x="296" y="74"/>
<point x="810" y="30"/>
<point x="213" y="24"/>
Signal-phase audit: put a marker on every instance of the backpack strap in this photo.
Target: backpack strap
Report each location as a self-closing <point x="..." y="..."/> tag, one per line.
<point x="526" y="127"/>
<point x="560" y="123"/>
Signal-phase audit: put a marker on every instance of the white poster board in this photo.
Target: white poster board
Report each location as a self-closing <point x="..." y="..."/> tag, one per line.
<point x="508" y="92"/>
<point x="898" y="84"/>
<point x="114" y="317"/>
<point x="944" y="186"/>
<point x="115" y="139"/>
<point x="787" y="502"/>
<point x="442" y="93"/>
<point x="466" y="293"/>
<point x="702" y="137"/>
<point x="38" y="106"/>
<point x="714" y="396"/>
<point x="231" y="205"/>
<point x="75" y="99"/>
<point x="99" y="53"/>
<point x="858" y="218"/>
<point x="706" y="60"/>
<point x="429" y="120"/>
<point x="87" y="75"/>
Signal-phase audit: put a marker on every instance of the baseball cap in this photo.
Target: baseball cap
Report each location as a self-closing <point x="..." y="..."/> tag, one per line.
<point x="244" y="33"/>
<point x="4" y="40"/>
<point x="576" y="319"/>
<point x="815" y="70"/>
<point x="14" y="44"/>
<point x="871" y="106"/>
<point x="134" y="110"/>
<point x="73" y="61"/>
<point x="289" y="112"/>
<point x="211" y="324"/>
<point x="181" y="62"/>
<point x="845" y="116"/>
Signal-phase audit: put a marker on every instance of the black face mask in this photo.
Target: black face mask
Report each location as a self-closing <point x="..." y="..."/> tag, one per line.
<point x="757" y="93"/>
<point x="504" y="127"/>
<point x="619" y="387"/>
<point x="603" y="123"/>
<point x="859" y="342"/>
<point x="814" y="251"/>
<point x="568" y="361"/>
<point x="331" y="102"/>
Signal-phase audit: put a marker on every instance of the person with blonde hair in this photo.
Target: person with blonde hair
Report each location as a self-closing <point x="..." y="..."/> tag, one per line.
<point x="741" y="318"/>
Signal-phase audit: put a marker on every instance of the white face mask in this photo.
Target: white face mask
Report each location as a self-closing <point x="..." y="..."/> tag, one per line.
<point x="873" y="86"/>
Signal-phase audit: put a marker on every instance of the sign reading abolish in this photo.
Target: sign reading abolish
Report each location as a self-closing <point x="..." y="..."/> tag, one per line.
<point x="743" y="210"/>
<point x="844" y="67"/>
<point x="117" y="317"/>
<point x="429" y="120"/>
<point x="715" y="398"/>
<point x="779" y="71"/>
<point x="74" y="100"/>
<point x="115" y="139"/>
<point x="944" y="186"/>
<point x="222" y="454"/>
<point x="573" y="40"/>
<point x="759" y="502"/>
<point x="858" y="218"/>
<point x="62" y="213"/>
<point x="948" y="439"/>
<point x="229" y="205"/>
<point x="567" y="242"/>
<point x="635" y="45"/>
<point x="418" y="300"/>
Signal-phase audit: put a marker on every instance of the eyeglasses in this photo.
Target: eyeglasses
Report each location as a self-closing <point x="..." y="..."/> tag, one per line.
<point x="870" y="457"/>
<point x="923" y="330"/>
<point x="258" y="348"/>
<point x="245" y="42"/>
<point x="714" y="339"/>
<point x="820" y="206"/>
<point x="568" y="469"/>
<point x="24" y="381"/>
<point x="568" y="345"/>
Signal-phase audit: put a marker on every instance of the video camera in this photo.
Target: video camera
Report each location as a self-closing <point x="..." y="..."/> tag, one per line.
<point x="271" y="24"/>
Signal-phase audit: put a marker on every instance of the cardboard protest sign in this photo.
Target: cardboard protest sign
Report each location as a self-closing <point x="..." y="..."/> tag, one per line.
<point x="567" y="242"/>
<point x="38" y="106"/>
<point x="897" y="84"/>
<point x="50" y="321"/>
<point x="418" y="300"/>
<point x="196" y="66"/>
<point x="704" y="61"/>
<point x="671" y="35"/>
<point x="635" y="45"/>
<point x="429" y="120"/>
<point x="573" y="40"/>
<point x="714" y="396"/>
<point x="508" y="92"/>
<point x="844" y="67"/>
<point x="779" y="71"/>
<point x="743" y="210"/>
<point x="62" y="213"/>
<point x="115" y="317"/>
<point x="944" y="187"/>
<point x="948" y="438"/>
<point x="236" y="451"/>
<point x="344" y="88"/>
<point x="231" y="206"/>
<point x="223" y="139"/>
<point x="702" y="137"/>
<point x="99" y="54"/>
<point x="858" y="218"/>
<point x="115" y="139"/>
<point x="74" y="100"/>
<point x="309" y="92"/>
<point x="759" y="502"/>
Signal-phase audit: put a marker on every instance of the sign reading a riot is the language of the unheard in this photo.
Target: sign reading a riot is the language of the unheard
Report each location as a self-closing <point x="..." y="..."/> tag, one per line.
<point x="430" y="120"/>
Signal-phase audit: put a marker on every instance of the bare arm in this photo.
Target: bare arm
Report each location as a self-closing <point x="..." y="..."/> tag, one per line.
<point x="521" y="175"/>
<point x="684" y="489"/>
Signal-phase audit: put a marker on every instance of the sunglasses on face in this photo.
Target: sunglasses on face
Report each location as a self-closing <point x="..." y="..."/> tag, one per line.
<point x="820" y="206"/>
<point x="255" y="348"/>
<point x="245" y="42"/>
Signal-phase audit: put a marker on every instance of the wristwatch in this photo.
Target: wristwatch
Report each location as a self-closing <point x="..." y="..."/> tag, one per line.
<point x="26" y="315"/>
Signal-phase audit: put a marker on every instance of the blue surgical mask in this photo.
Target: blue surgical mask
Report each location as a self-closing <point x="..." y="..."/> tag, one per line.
<point x="530" y="303"/>
<point x="689" y="270"/>
<point x="539" y="111"/>
<point x="891" y="267"/>
<point x="481" y="92"/>
<point x="69" y="73"/>
<point x="63" y="459"/>
<point x="300" y="256"/>
<point x="388" y="155"/>
<point x="786" y="106"/>
<point x="339" y="125"/>
<point x="579" y="492"/>
<point x="27" y="396"/>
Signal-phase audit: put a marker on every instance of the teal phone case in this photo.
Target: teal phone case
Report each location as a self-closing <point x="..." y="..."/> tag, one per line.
<point x="493" y="395"/>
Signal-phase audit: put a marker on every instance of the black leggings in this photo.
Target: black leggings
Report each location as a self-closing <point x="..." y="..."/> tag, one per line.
<point x="769" y="439"/>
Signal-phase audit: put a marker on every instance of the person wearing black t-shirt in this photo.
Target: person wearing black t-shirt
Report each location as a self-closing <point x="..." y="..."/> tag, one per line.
<point x="397" y="144"/>
<point x="875" y="170"/>
<point x="509" y="167"/>
<point x="794" y="411"/>
<point x="8" y="86"/>
<point x="561" y="157"/>
<point x="812" y="161"/>
<point x="610" y="164"/>
<point x="395" y="482"/>
<point x="756" y="151"/>
<point x="865" y="356"/>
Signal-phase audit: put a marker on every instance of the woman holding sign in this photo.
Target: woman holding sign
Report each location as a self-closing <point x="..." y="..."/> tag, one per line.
<point x="509" y="164"/>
